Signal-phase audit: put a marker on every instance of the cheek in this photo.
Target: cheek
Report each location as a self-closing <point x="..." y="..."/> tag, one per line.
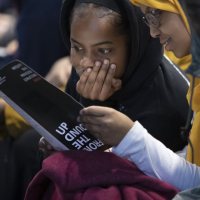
<point x="165" y="30"/>
<point x="75" y="60"/>
<point x="182" y="44"/>
<point x="120" y="67"/>
<point x="121" y="62"/>
<point x="119" y="71"/>
<point x="172" y="26"/>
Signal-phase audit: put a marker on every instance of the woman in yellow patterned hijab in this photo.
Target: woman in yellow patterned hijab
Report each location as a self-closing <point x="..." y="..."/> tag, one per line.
<point x="172" y="28"/>
<point x="168" y="22"/>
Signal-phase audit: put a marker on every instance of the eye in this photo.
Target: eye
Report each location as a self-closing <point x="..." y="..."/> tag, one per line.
<point x="156" y="12"/>
<point x="76" y="48"/>
<point x="105" y="51"/>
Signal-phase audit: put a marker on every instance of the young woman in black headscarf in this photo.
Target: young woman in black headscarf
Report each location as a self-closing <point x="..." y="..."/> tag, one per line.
<point x="108" y="41"/>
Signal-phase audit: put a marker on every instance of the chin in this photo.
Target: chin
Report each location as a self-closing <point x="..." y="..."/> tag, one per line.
<point x="179" y="54"/>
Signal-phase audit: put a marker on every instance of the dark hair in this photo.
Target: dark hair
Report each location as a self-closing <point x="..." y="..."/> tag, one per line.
<point x="83" y="9"/>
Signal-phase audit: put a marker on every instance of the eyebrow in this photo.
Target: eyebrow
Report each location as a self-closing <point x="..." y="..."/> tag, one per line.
<point x="97" y="44"/>
<point x="148" y="9"/>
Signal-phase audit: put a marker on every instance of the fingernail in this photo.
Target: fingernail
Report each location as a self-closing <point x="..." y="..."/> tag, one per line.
<point x="106" y="61"/>
<point x="88" y="70"/>
<point x="113" y="66"/>
<point x="97" y="63"/>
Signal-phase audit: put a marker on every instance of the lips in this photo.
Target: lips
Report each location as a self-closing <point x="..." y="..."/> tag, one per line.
<point x="165" y="41"/>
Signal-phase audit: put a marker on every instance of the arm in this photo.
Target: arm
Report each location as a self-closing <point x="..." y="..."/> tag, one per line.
<point x="154" y="159"/>
<point x="132" y="141"/>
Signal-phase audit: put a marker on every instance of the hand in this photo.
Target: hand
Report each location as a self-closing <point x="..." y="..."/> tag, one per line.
<point x="105" y="123"/>
<point x="60" y="73"/>
<point x="45" y="147"/>
<point x="12" y="47"/>
<point x="98" y="83"/>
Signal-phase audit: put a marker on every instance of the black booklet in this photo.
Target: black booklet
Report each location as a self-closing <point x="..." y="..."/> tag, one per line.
<point x="50" y="111"/>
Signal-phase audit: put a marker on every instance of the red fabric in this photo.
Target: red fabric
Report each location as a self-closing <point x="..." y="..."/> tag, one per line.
<point x="82" y="175"/>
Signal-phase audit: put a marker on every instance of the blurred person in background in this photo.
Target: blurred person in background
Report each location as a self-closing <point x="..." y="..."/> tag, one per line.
<point x="8" y="42"/>
<point x="41" y="47"/>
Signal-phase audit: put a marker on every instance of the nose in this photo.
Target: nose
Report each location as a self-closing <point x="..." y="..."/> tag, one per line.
<point x="154" y="32"/>
<point x="86" y="61"/>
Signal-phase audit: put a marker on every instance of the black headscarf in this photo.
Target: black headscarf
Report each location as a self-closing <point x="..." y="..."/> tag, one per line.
<point x="146" y="53"/>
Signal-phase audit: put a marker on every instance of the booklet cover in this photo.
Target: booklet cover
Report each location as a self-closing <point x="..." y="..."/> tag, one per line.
<point x="50" y="111"/>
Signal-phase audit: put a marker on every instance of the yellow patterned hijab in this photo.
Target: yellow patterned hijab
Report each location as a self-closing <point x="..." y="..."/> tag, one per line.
<point x="175" y="7"/>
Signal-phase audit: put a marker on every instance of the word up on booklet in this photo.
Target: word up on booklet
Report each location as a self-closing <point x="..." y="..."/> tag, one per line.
<point x="50" y="111"/>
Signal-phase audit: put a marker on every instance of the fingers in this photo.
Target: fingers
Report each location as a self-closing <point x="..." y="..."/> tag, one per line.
<point x="105" y="123"/>
<point x="101" y="77"/>
<point x="94" y="116"/>
<point x="95" y="111"/>
<point x="89" y="119"/>
<point x="96" y="119"/>
<point x="80" y="87"/>
<point x="94" y="124"/>
<point x="107" y="87"/>
<point x="116" y="84"/>
<point x="45" y="147"/>
<point x="98" y="83"/>
<point x="94" y="128"/>
<point x="91" y="81"/>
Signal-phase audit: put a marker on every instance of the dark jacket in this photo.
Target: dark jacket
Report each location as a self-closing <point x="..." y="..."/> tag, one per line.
<point x="82" y="175"/>
<point x="153" y="91"/>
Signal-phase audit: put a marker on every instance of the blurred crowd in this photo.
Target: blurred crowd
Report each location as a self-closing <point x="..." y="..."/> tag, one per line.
<point x="29" y="31"/>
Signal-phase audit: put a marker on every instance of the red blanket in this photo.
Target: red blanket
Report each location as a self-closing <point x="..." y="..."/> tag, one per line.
<point x="82" y="175"/>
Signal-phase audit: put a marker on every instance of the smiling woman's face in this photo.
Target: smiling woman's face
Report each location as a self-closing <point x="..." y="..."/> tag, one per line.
<point x="93" y="39"/>
<point x="171" y="31"/>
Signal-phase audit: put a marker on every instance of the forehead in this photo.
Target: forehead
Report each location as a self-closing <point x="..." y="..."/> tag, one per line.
<point x="91" y="26"/>
<point x="88" y="12"/>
